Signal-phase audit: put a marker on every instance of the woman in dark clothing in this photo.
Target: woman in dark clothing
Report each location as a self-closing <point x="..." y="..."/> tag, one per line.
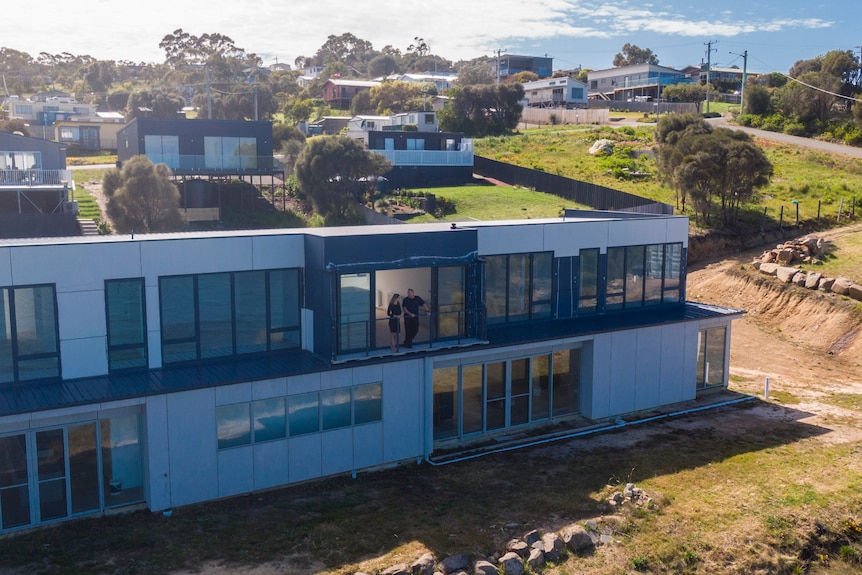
<point x="394" y="313"/>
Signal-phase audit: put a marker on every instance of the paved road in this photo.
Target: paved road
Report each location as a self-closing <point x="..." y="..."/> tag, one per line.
<point x="795" y="140"/>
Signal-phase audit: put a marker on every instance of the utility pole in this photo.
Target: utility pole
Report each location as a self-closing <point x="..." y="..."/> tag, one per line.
<point x="209" y="95"/>
<point x="709" y="51"/>
<point x="498" y="65"/>
<point x="744" y="80"/>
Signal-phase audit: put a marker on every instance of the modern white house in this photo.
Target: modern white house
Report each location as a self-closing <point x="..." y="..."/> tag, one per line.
<point x="165" y="370"/>
<point x="638" y="82"/>
<point x="555" y="92"/>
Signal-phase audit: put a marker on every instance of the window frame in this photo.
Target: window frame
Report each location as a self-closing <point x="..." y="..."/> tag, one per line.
<point x="267" y="318"/>
<point x="15" y="356"/>
<point x="144" y="344"/>
<point x="534" y="308"/>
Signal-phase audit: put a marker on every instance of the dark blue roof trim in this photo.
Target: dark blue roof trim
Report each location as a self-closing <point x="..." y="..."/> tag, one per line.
<point x="43" y="396"/>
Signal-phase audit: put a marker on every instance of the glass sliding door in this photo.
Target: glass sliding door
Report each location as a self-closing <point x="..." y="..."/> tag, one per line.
<point x="14" y="484"/>
<point x="473" y="415"/>
<point x="450" y="302"/>
<point x="495" y="395"/>
<point x="83" y="468"/>
<point x="51" y="466"/>
<point x="445" y="402"/>
<point x="519" y="407"/>
<point x="354" y="311"/>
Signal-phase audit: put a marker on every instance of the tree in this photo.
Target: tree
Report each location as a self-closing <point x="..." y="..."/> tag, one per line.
<point x="361" y="103"/>
<point x="709" y="165"/>
<point x="758" y="100"/>
<point x="331" y="170"/>
<point x="382" y="65"/>
<point x="142" y="198"/>
<point x="525" y="76"/>
<point x="475" y="72"/>
<point x="99" y="75"/>
<point x="632" y="54"/>
<point x="14" y="127"/>
<point x="483" y="110"/>
<point x="156" y="102"/>
<point x="396" y="97"/>
<point x="693" y="92"/>
<point x="239" y="104"/>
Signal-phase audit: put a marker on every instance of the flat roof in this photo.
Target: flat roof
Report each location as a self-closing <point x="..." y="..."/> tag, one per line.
<point x="572" y="216"/>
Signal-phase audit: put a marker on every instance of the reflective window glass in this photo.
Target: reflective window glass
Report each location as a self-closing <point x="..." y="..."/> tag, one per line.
<point x="335" y="408"/>
<point x="303" y="414"/>
<point x="233" y="425"/>
<point x="268" y="419"/>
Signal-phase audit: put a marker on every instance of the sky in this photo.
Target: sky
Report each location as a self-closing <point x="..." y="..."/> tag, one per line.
<point x="588" y="33"/>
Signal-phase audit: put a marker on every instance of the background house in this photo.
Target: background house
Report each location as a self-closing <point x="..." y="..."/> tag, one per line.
<point x="35" y="189"/>
<point x="556" y="92"/>
<point x="640" y="82"/>
<point x="511" y="64"/>
<point x="339" y="93"/>
<point x="90" y="133"/>
<point x="204" y="155"/>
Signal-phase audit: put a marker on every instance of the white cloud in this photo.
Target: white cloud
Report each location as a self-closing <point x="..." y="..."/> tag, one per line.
<point x="453" y="28"/>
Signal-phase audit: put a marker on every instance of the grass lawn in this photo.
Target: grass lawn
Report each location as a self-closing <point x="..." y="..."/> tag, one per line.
<point x="807" y="176"/>
<point x="496" y="203"/>
<point x="87" y="206"/>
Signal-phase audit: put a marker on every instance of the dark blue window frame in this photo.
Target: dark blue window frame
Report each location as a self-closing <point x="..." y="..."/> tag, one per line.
<point x="187" y="347"/>
<point x="16" y="356"/>
<point x="121" y="344"/>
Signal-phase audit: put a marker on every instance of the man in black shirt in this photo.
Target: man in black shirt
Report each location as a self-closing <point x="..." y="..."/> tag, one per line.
<point x="411" y="305"/>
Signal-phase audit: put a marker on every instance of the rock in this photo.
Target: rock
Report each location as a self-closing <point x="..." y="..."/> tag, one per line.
<point x="769" y="269"/>
<point x="855" y="292"/>
<point x="812" y="280"/>
<point x="826" y="284"/>
<point x="512" y="564"/>
<point x="785" y="274"/>
<point x="531" y="537"/>
<point x="602" y="147"/>
<point x="553" y="547"/>
<point x="519" y="547"/>
<point x="483" y="567"/>
<point x="799" y="278"/>
<point x="841" y="286"/>
<point x="454" y="563"/>
<point x="536" y="560"/>
<point x="786" y="256"/>
<point x="424" y="565"/>
<point x="576" y="539"/>
<point x="767" y="258"/>
<point x="399" y="569"/>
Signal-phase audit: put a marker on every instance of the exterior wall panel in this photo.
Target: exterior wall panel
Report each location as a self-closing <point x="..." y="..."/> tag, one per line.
<point x="304" y="455"/>
<point x="157" y="465"/>
<point x="195" y="256"/>
<point x="270" y="464"/>
<point x="647" y="390"/>
<point x="83" y="357"/>
<point x="402" y="410"/>
<point x="673" y="362"/>
<point x="508" y="240"/>
<point x="235" y="471"/>
<point x="336" y="451"/>
<point x="601" y="388"/>
<point x="367" y="445"/>
<point x="623" y="371"/>
<point x="192" y="446"/>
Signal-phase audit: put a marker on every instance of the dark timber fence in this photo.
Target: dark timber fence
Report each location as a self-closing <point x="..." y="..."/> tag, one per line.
<point x="596" y="197"/>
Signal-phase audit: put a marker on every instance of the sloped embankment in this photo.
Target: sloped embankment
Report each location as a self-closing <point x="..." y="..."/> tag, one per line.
<point x="816" y="320"/>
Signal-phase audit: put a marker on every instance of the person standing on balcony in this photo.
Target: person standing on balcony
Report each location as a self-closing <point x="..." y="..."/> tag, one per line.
<point x="412" y="304"/>
<point x="394" y="313"/>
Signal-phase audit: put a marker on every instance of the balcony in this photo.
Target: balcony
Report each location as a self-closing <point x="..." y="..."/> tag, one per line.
<point x="370" y="338"/>
<point x="202" y="164"/>
<point x="35" y="179"/>
<point x="462" y="157"/>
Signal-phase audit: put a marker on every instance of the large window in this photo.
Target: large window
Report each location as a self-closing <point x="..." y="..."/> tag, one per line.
<point x="127" y="324"/>
<point x="518" y="287"/>
<point x="230" y="153"/>
<point x="163" y="150"/>
<point x="70" y="470"/>
<point x="639" y="276"/>
<point x="242" y="424"/>
<point x="20" y="160"/>
<point x="711" y="346"/>
<point x="224" y="314"/>
<point x="29" y="348"/>
<point x="588" y="281"/>
<point x="480" y="398"/>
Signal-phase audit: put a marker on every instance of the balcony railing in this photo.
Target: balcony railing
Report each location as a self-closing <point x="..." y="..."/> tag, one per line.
<point x="462" y="157"/>
<point x="624" y="84"/>
<point x="371" y="338"/>
<point x="35" y="178"/>
<point x="227" y="164"/>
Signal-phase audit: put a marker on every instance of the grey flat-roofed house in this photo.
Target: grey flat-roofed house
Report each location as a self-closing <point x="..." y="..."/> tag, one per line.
<point x="196" y="366"/>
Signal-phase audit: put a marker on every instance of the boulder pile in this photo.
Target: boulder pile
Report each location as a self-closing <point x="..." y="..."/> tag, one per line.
<point x="530" y="552"/>
<point x="809" y="249"/>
